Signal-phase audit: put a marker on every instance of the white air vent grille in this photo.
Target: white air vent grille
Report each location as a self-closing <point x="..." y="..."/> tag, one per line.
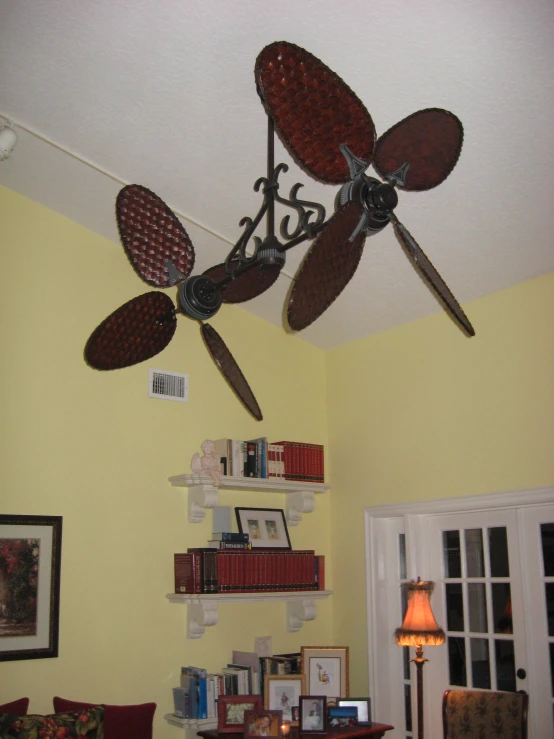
<point x="168" y="385"/>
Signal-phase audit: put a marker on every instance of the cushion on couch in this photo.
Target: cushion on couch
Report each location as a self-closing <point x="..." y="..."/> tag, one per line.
<point x="120" y="722"/>
<point x="16" y="708"/>
<point x="74" y="725"/>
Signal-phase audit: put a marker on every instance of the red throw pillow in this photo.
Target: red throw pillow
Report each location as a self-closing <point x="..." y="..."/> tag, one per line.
<point x="16" y="708"/>
<point x="120" y="722"/>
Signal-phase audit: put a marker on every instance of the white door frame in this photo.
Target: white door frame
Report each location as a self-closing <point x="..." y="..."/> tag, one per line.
<point x="376" y="596"/>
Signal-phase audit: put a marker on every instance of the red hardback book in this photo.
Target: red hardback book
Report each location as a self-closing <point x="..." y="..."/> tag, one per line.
<point x="188" y="572"/>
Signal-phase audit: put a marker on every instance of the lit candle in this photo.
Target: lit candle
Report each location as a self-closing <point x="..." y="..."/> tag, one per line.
<point x="285" y="728"/>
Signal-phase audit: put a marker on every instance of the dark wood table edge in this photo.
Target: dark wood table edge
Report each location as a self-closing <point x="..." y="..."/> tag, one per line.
<point x="375" y="730"/>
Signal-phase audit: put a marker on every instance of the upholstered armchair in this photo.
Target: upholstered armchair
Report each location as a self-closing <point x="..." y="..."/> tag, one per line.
<point x="484" y="714"/>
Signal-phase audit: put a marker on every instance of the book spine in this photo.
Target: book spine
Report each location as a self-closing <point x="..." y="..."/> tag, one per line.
<point x="230" y="536"/>
<point x="187" y="570"/>
<point x="202" y="697"/>
<point x="320" y="571"/>
<point x="251" y="459"/>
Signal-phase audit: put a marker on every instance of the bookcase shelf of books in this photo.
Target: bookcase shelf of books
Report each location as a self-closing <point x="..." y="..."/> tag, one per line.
<point x="203" y="494"/>
<point x="202" y="609"/>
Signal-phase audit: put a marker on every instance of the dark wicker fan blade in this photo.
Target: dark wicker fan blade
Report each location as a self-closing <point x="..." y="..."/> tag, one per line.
<point x="138" y="330"/>
<point x="314" y="111"/>
<point x="230" y="370"/>
<point x="421" y="150"/>
<point x="431" y="276"/>
<point x="151" y="233"/>
<point x="327" y="268"/>
<point x="249" y="284"/>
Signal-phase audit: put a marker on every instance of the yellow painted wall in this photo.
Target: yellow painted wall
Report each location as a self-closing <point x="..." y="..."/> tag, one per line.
<point x="93" y="448"/>
<point x="422" y="412"/>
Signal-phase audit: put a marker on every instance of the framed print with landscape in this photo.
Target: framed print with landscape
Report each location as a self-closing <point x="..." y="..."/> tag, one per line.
<point x="313" y="714"/>
<point x="282" y="693"/>
<point x="326" y="670"/>
<point x="30" y="560"/>
<point x="263" y="723"/>
<point x="231" y="710"/>
<point x="266" y="527"/>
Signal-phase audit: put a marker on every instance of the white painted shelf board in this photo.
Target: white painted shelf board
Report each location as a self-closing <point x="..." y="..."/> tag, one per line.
<point x="281" y="595"/>
<point x="269" y="485"/>
<point x="198" y="724"/>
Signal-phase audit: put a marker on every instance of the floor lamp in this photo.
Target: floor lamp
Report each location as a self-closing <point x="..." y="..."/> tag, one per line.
<point x="419" y="629"/>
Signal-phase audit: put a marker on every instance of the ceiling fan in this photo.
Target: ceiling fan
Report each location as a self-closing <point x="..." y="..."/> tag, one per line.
<point x="330" y="134"/>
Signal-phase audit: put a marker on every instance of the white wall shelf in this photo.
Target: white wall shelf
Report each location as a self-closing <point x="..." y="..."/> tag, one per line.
<point x="202" y="609"/>
<point x="191" y="724"/>
<point x="203" y="494"/>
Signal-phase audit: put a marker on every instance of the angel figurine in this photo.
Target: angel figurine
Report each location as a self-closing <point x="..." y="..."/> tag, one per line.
<point x="208" y="464"/>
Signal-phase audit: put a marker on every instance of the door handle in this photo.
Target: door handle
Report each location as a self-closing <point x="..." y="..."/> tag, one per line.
<point x="521" y="673"/>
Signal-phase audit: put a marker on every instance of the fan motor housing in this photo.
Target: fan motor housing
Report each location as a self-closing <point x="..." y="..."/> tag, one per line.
<point x="199" y="297"/>
<point x="377" y="198"/>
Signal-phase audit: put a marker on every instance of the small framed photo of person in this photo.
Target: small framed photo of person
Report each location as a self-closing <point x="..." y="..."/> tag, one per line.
<point x="313" y="714"/>
<point x="263" y="723"/>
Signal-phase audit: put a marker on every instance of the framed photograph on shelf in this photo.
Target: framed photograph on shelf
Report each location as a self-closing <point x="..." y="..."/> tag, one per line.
<point x="341" y="716"/>
<point x="313" y="714"/>
<point x="231" y="710"/>
<point x="326" y="670"/>
<point x="362" y="704"/>
<point x="266" y="527"/>
<point x="282" y="693"/>
<point x="263" y="723"/>
<point x="30" y="561"/>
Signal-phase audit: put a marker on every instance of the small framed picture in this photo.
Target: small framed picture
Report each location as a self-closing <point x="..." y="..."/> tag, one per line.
<point x="313" y="714"/>
<point x="231" y="710"/>
<point x="340" y="716"/>
<point x="282" y="693"/>
<point x="263" y="723"/>
<point x="266" y="527"/>
<point x="362" y="704"/>
<point x="326" y="670"/>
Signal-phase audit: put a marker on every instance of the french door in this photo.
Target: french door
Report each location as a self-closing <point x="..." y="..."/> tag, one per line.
<point x="494" y="597"/>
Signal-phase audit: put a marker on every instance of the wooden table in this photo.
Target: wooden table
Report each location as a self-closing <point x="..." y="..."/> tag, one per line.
<point x="348" y="732"/>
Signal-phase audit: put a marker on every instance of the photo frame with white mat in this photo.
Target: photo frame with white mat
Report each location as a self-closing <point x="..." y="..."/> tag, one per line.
<point x="282" y="693"/>
<point x="326" y="671"/>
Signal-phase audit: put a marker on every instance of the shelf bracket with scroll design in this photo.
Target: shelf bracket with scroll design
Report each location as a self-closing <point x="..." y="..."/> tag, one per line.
<point x="202" y="610"/>
<point x="298" y="503"/>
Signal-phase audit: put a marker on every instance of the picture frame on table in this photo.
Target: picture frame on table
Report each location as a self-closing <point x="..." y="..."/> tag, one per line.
<point x="362" y="704"/>
<point x="267" y="527"/>
<point x="313" y="714"/>
<point x="341" y="716"/>
<point x="231" y="710"/>
<point x="282" y="693"/>
<point x="30" y="565"/>
<point x="326" y="670"/>
<point x="263" y="722"/>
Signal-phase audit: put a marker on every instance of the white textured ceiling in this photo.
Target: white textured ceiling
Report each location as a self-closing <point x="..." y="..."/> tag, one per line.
<point x="162" y="94"/>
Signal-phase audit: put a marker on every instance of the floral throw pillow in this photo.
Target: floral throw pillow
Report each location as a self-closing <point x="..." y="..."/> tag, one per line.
<point x="87" y="723"/>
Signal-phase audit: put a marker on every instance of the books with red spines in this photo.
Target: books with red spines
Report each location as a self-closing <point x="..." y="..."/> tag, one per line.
<point x="237" y="578"/>
<point x="319" y="566"/>
<point x="188" y="573"/>
<point x="209" y="568"/>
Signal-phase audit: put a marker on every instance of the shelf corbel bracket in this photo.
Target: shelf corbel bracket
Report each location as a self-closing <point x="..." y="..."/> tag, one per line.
<point x="201" y="497"/>
<point x="200" y="615"/>
<point x="299" y="611"/>
<point x="297" y="504"/>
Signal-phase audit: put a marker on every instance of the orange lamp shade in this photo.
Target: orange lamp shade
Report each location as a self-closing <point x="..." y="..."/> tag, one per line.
<point x="419" y="626"/>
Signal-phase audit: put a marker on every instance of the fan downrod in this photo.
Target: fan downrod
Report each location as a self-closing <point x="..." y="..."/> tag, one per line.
<point x="199" y="297"/>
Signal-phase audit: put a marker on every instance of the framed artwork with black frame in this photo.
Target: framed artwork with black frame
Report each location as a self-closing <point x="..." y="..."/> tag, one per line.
<point x="313" y="714"/>
<point x="362" y="704"/>
<point x="266" y="527"/>
<point x="30" y="563"/>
